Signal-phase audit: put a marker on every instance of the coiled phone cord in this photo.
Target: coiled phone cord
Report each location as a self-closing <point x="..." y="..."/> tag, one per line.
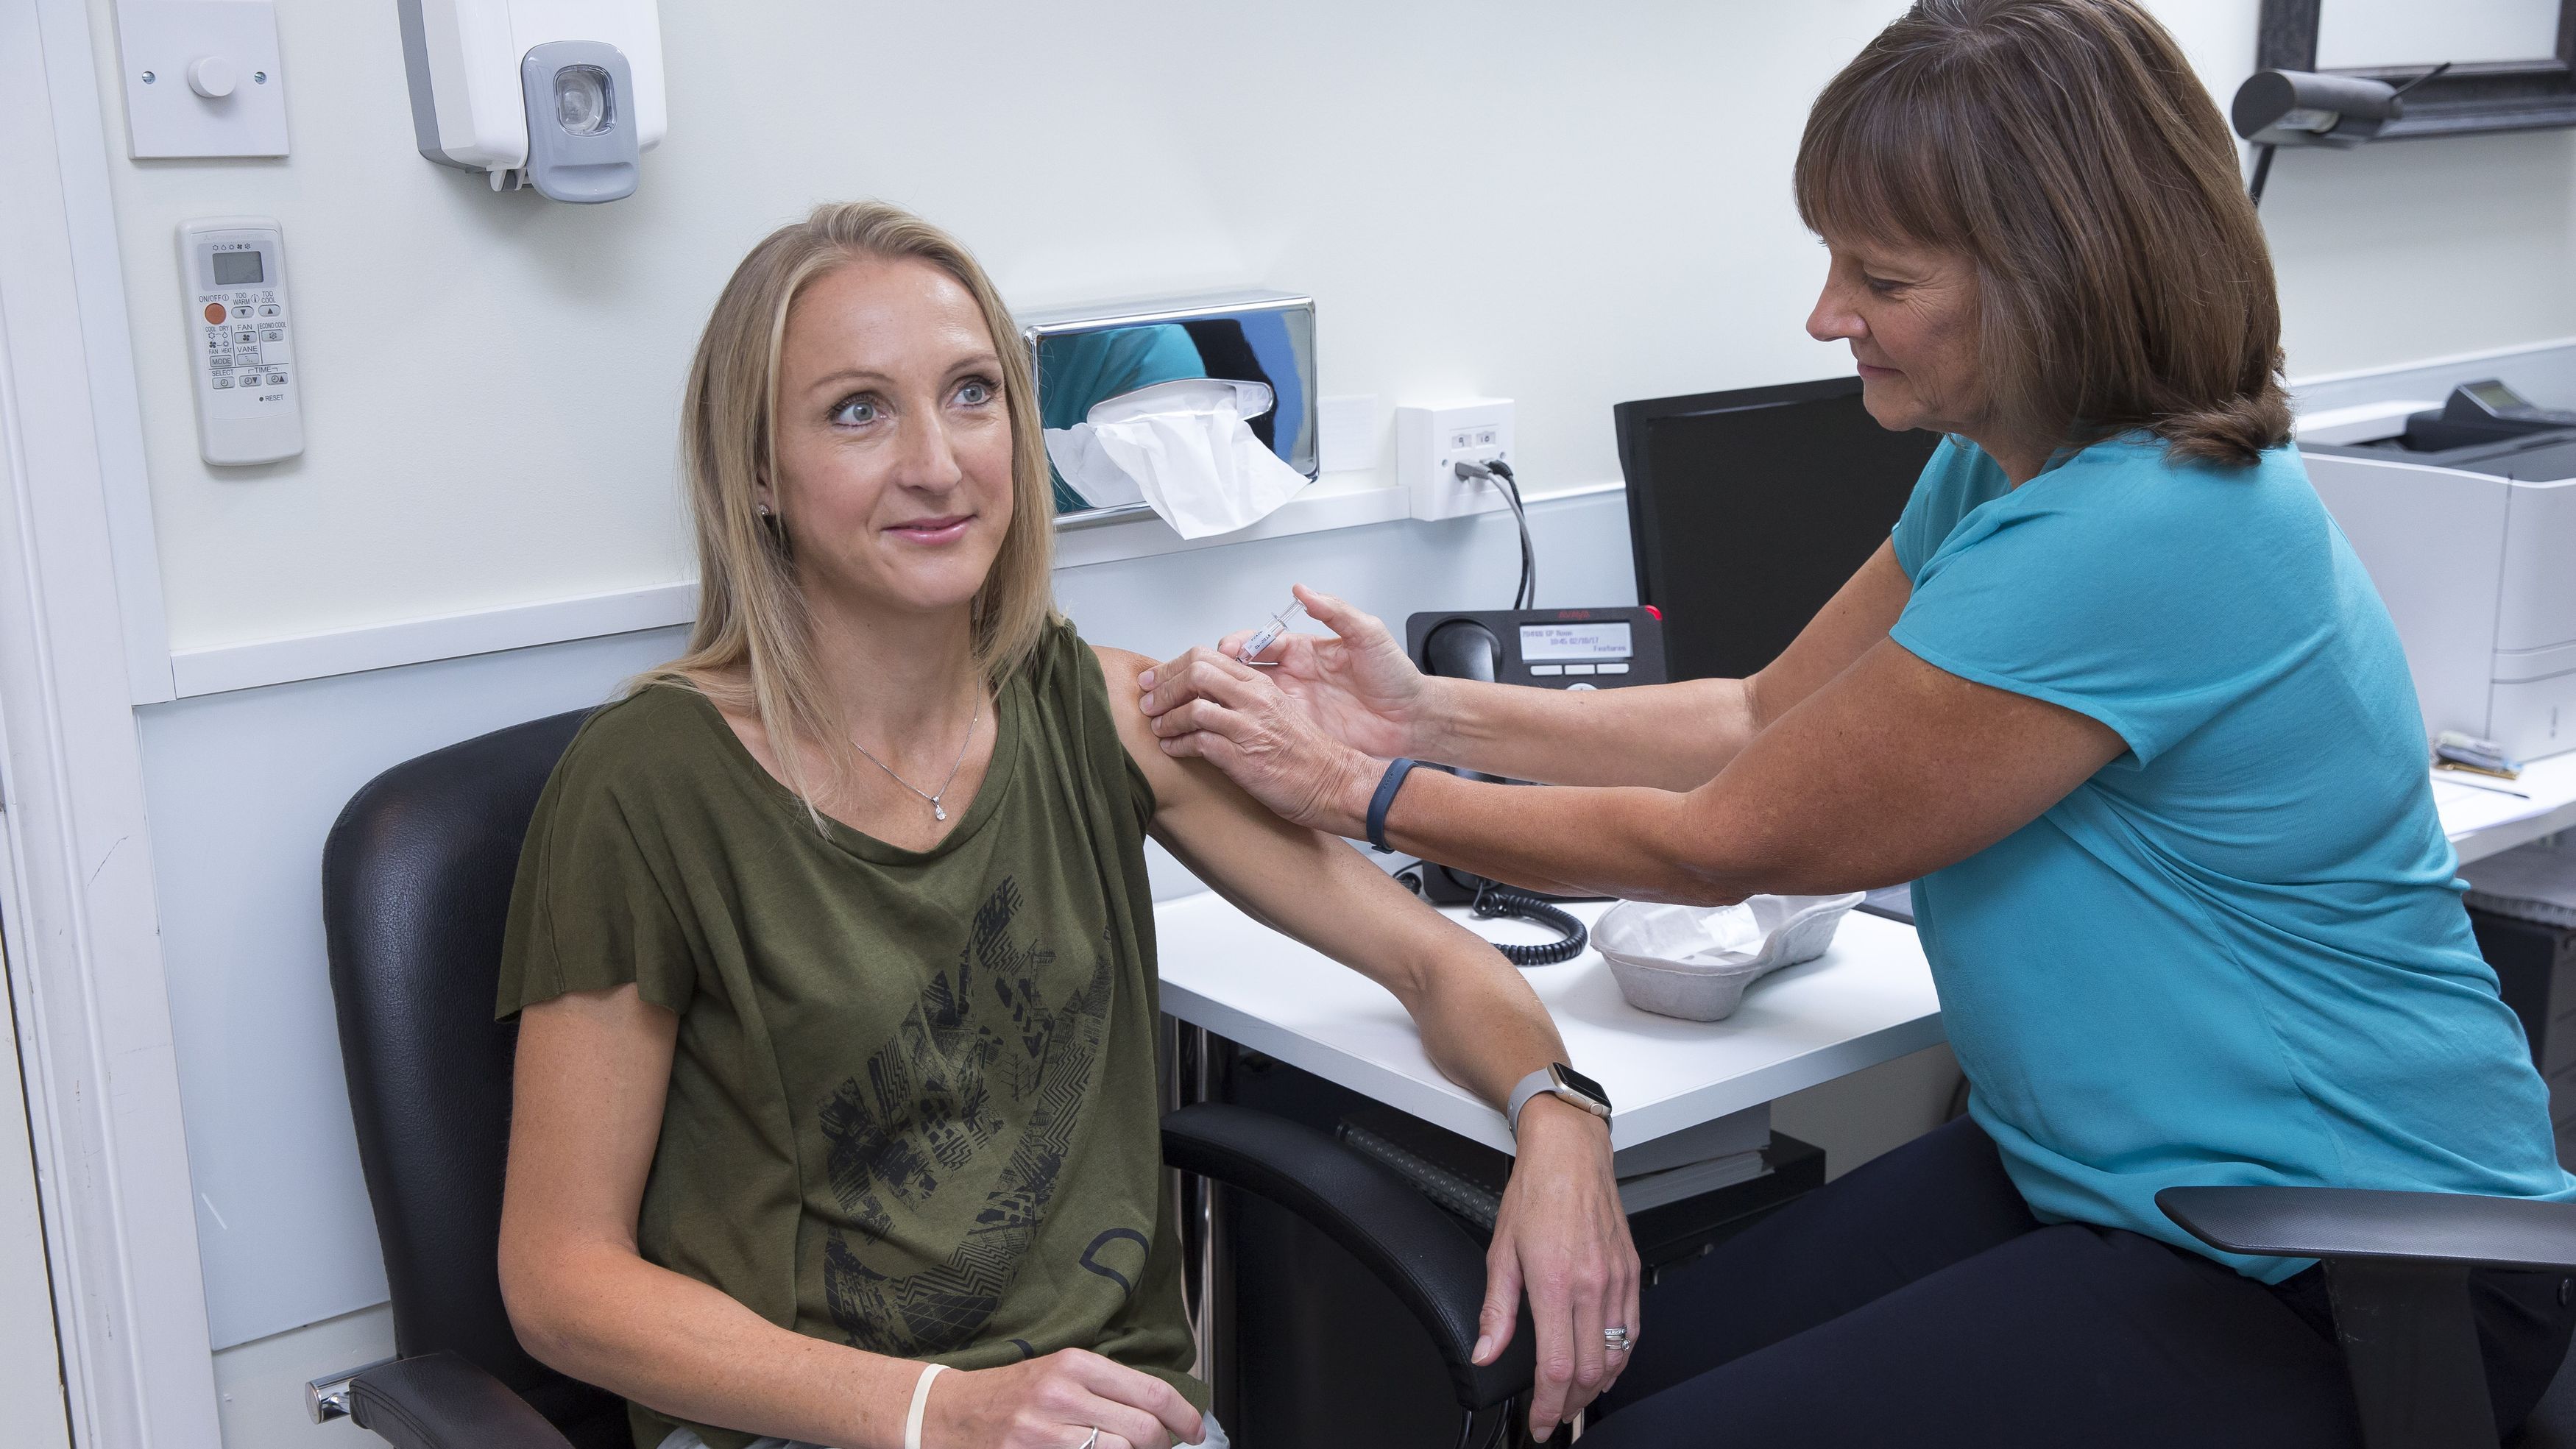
<point x="1498" y="900"/>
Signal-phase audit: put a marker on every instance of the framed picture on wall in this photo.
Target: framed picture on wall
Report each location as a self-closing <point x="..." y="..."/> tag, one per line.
<point x="2513" y="62"/>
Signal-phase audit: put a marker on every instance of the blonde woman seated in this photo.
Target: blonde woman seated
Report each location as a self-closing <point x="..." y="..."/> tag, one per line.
<point x="835" y="958"/>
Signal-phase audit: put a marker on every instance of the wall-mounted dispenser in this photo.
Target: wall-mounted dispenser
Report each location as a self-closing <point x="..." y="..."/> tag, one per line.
<point x="1117" y="397"/>
<point x="561" y="95"/>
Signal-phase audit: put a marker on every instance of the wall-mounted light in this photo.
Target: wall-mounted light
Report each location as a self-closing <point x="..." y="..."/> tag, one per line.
<point x="2303" y="108"/>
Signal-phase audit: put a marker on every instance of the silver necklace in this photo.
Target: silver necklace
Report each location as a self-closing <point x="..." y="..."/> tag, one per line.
<point x="937" y="810"/>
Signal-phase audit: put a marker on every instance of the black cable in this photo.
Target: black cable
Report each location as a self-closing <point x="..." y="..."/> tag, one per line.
<point x="1500" y="900"/>
<point x="2262" y="173"/>
<point x="1499" y="474"/>
<point x="1527" y="598"/>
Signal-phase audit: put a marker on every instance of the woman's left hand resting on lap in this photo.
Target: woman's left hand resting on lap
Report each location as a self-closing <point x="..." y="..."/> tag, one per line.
<point x="1561" y="1236"/>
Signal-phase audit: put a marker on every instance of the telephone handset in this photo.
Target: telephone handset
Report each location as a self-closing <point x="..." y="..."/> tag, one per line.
<point x="1574" y="649"/>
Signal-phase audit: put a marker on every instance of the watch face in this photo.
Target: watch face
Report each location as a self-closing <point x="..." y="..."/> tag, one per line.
<point x="1582" y="1083"/>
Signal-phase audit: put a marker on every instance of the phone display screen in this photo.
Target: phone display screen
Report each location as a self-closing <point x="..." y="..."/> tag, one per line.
<point x="1578" y="641"/>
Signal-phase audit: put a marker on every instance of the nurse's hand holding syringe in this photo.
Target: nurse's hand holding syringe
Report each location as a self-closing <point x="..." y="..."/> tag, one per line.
<point x="1356" y="681"/>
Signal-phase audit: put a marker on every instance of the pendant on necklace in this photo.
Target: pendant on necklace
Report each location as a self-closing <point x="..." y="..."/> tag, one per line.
<point x="938" y="811"/>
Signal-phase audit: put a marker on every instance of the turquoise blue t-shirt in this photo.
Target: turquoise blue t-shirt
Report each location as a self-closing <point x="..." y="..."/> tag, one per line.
<point x="2237" y="953"/>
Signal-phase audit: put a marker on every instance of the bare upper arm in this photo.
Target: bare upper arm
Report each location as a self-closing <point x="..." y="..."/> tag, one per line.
<point x="593" y="1070"/>
<point x="1178" y="784"/>
<point x="1856" y="618"/>
<point x="1894" y="768"/>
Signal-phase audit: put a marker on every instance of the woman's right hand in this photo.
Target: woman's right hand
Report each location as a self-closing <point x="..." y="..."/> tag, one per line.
<point x="1054" y="1403"/>
<point x="1358" y="686"/>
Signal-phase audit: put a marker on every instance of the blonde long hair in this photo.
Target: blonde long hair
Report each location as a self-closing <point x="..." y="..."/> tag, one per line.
<point x="751" y="650"/>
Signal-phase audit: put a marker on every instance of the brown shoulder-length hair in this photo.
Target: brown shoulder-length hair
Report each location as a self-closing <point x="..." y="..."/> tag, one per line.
<point x="752" y="649"/>
<point x="2066" y="149"/>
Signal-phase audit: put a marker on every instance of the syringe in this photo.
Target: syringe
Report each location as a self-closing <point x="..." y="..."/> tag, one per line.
<point x="1267" y="635"/>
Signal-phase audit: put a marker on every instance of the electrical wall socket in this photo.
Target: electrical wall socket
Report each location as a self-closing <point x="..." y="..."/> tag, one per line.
<point x="1431" y="440"/>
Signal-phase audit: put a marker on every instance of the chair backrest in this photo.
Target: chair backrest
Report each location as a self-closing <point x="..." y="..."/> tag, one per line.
<point x="416" y="881"/>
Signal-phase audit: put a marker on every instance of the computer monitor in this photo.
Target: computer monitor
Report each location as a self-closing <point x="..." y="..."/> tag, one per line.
<point x="1748" y="509"/>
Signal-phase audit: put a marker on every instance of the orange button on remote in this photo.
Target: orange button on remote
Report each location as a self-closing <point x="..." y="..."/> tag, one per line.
<point x="214" y="311"/>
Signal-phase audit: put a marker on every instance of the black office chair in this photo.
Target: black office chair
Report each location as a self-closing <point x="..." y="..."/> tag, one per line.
<point x="416" y="884"/>
<point x="2397" y="1267"/>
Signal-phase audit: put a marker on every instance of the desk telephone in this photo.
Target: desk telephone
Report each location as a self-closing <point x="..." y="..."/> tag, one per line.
<point x="1571" y="649"/>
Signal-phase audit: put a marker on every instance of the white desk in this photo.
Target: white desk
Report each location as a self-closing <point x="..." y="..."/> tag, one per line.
<point x="1867" y="1000"/>
<point x="2483" y="821"/>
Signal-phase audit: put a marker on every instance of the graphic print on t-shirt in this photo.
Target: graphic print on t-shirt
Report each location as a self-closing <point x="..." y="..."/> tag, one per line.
<point x="921" y="1133"/>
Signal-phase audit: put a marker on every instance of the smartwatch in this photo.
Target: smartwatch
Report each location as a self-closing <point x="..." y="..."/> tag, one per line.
<point x="1557" y="1080"/>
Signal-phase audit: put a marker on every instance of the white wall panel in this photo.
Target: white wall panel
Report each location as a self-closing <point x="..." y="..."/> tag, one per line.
<point x="243" y="786"/>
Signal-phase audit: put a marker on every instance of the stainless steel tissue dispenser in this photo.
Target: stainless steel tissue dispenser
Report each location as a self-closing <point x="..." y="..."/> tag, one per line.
<point x="1087" y="354"/>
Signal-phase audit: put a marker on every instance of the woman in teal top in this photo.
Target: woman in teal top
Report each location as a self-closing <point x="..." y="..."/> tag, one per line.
<point x="2121" y="702"/>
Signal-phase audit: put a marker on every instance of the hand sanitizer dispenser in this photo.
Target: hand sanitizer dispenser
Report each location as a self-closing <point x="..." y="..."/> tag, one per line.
<point x="561" y="95"/>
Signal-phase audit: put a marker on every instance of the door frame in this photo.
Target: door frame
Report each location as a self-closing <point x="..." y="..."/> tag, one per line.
<point x="77" y="896"/>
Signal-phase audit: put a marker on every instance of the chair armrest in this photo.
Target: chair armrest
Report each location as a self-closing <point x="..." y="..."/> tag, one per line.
<point x="1419" y="1251"/>
<point x="2351" y="1222"/>
<point x="441" y="1401"/>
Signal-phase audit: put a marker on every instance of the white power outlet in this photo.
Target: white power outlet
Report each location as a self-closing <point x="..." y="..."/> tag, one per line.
<point x="1431" y="441"/>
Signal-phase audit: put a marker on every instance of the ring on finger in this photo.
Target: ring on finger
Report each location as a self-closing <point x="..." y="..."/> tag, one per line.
<point x="1094" y="1439"/>
<point x="1615" y="1339"/>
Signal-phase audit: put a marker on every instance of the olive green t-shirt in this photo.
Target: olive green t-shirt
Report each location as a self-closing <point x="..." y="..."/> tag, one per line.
<point x="912" y="1106"/>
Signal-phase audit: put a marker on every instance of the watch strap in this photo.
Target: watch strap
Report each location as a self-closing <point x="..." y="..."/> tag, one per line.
<point x="1542" y="1080"/>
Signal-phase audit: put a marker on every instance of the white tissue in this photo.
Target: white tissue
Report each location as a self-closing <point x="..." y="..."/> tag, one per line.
<point x="1181" y="447"/>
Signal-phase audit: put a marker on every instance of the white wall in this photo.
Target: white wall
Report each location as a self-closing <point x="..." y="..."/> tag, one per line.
<point x="490" y="379"/>
<point x="1567" y="205"/>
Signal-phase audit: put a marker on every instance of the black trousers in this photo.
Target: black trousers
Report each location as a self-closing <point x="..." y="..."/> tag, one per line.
<point x="1916" y="1301"/>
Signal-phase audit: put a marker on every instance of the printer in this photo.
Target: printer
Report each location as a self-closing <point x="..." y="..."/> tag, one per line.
<point x="2465" y="516"/>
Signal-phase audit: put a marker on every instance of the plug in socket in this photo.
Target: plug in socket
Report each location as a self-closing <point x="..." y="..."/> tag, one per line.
<point x="1429" y="443"/>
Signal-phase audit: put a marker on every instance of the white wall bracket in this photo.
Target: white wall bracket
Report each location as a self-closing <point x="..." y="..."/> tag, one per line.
<point x="202" y="78"/>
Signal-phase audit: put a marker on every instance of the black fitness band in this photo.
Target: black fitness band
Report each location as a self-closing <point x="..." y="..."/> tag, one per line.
<point x="1387" y="785"/>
